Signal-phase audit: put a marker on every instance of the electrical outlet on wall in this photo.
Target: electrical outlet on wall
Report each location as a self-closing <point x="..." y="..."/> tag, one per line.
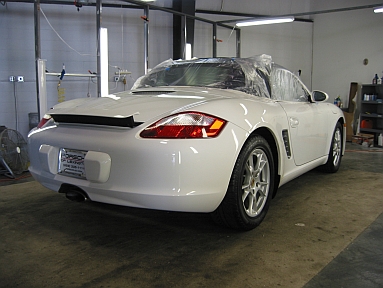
<point x="12" y="78"/>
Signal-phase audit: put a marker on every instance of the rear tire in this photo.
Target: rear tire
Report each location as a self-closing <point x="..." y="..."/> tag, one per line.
<point x="250" y="189"/>
<point x="335" y="154"/>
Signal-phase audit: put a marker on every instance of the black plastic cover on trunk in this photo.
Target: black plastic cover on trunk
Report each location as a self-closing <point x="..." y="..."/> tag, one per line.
<point x="96" y="120"/>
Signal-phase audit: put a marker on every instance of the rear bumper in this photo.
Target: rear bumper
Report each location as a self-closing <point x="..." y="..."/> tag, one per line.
<point x="190" y="175"/>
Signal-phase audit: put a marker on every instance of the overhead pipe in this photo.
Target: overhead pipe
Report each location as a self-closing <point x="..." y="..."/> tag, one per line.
<point x="295" y="15"/>
<point x="154" y="7"/>
<point x="214" y="23"/>
<point x="202" y="11"/>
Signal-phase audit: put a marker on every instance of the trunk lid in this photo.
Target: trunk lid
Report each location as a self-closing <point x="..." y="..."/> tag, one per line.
<point x="142" y="104"/>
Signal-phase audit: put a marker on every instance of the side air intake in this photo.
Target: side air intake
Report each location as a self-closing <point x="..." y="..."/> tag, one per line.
<point x="286" y="141"/>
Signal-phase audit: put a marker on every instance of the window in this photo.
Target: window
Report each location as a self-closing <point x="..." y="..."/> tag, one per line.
<point x="287" y="87"/>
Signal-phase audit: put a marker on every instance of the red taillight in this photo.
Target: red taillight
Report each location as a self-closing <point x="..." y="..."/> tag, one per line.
<point x="185" y="125"/>
<point x="44" y="120"/>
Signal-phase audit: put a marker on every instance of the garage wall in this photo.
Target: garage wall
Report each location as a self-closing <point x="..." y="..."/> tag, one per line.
<point x="290" y="44"/>
<point x="341" y="42"/>
<point x="78" y="29"/>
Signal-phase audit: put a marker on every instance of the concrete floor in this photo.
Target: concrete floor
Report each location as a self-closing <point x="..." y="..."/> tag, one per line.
<point x="322" y="230"/>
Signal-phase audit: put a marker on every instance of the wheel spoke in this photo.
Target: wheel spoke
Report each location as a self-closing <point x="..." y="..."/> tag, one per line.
<point x="261" y="190"/>
<point x="245" y="186"/>
<point x="247" y="168"/>
<point x="259" y="203"/>
<point x="250" y="164"/>
<point x="245" y="194"/>
<point x="265" y="183"/>
<point x="251" y="204"/>
<point x="261" y="162"/>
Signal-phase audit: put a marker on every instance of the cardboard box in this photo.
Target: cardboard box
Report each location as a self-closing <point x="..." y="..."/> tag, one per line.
<point x="361" y="137"/>
<point x="349" y="125"/>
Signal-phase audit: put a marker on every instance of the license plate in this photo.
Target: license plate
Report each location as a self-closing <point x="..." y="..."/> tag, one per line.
<point x="71" y="163"/>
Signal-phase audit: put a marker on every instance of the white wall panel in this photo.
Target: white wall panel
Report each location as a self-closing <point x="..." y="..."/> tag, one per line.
<point x="341" y="42"/>
<point x="289" y="44"/>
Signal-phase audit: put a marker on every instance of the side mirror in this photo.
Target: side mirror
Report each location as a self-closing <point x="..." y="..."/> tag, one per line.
<point x="319" y="96"/>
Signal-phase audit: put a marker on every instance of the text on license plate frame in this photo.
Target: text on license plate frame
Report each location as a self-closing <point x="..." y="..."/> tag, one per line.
<point x="71" y="163"/>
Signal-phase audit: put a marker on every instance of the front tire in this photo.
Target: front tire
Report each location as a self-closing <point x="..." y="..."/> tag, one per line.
<point x="250" y="189"/>
<point x="335" y="154"/>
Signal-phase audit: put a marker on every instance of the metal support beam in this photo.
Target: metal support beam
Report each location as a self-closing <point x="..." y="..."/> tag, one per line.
<point x="37" y="51"/>
<point x="98" y="24"/>
<point x="146" y="42"/>
<point x="214" y="40"/>
<point x="183" y="26"/>
<point x="184" y="35"/>
<point x="238" y="43"/>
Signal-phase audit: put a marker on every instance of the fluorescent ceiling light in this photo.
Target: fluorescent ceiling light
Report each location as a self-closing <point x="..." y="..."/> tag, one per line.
<point x="104" y="62"/>
<point x="188" y="52"/>
<point x="264" y="21"/>
<point x="378" y="10"/>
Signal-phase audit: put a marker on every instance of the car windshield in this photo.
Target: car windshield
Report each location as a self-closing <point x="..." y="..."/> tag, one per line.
<point x="243" y="74"/>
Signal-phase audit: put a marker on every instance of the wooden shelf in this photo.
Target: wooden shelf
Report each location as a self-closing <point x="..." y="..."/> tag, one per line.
<point x="378" y="131"/>
<point x="371" y="115"/>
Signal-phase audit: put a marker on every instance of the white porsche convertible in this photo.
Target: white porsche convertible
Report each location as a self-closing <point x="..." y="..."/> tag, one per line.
<point x="216" y="135"/>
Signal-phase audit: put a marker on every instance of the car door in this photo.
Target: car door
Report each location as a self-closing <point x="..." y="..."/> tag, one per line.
<point x="307" y="121"/>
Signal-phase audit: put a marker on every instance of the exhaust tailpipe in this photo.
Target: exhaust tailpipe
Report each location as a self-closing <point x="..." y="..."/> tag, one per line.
<point x="77" y="196"/>
<point x="73" y="193"/>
